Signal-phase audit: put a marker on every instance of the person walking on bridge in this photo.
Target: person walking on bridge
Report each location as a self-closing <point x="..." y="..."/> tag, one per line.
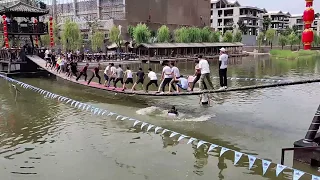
<point x="95" y="74"/>
<point x="205" y="72"/>
<point x="223" y="64"/>
<point x="83" y="72"/>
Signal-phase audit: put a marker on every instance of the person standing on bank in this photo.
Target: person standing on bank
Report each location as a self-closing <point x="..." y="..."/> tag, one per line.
<point x="83" y="72"/>
<point x="205" y="72"/>
<point x="95" y="74"/>
<point x="153" y="79"/>
<point x="223" y="64"/>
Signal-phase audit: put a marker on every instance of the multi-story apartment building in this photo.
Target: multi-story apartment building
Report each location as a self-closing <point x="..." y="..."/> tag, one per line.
<point x="279" y="20"/>
<point x="154" y="13"/>
<point x="225" y="15"/>
<point x="297" y="21"/>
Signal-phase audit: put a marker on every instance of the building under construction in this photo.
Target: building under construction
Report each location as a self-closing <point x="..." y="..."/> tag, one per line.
<point x="154" y="13"/>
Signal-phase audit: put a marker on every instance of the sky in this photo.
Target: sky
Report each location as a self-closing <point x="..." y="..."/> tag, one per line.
<point x="292" y="6"/>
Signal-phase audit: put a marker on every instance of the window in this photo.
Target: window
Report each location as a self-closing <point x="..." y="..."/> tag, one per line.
<point x="211" y="12"/>
<point x="211" y="21"/>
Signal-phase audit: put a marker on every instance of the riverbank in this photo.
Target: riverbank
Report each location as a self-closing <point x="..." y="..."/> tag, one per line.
<point x="287" y="54"/>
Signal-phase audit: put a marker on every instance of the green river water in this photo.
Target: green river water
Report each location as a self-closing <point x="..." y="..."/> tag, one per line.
<point x="42" y="139"/>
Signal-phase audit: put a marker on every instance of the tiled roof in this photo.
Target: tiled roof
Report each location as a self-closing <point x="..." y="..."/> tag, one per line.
<point x="23" y="8"/>
<point x="189" y="45"/>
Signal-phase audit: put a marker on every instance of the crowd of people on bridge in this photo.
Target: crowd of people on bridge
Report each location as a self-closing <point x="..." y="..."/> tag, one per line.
<point x="170" y="75"/>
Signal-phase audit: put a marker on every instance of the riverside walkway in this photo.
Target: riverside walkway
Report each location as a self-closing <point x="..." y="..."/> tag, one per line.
<point x="41" y="63"/>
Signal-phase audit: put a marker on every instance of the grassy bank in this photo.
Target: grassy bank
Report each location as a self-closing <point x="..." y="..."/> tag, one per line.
<point x="287" y="54"/>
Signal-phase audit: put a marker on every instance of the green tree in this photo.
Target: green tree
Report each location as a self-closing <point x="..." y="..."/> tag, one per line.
<point x="237" y="37"/>
<point x="228" y="36"/>
<point x="163" y="34"/>
<point x="115" y="36"/>
<point x="266" y="23"/>
<point x="205" y="34"/>
<point x="45" y="40"/>
<point x="295" y="28"/>
<point x="97" y="40"/>
<point x="141" y="33"/>
<point x="181" y="35"/>
<point x="56" y="34"/>
<point x="71" y="36"/>
<point x="316" y="39"/>
<point x="215" y="36"/>
<point x="287" y="31"/>
<point x="242" y="27"/>
<point x="260" y="39"/>
<point x="292" y="39"/>
<point x="270" y="36"/>
<point x="282" y="41"/>
<point x="194" y="34"/>
<point x="130" y="31"/>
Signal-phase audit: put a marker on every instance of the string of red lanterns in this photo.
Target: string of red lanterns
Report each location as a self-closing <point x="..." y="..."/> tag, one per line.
<point x="36" y="30"/>
<point x="5" y="31"/>
<point x="51" y="32"/>
<point x="308" y="18"/>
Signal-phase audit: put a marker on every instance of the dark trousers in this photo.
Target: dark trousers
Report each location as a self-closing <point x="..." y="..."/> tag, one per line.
<point x="74" y="72"/>
<point x="165" y="82"/>
<point x="95" y="75"/>
<point x="155" y="82"/>
<point x="223" y="77"/>
<point x="196" y="80"/>
<point x="84" y="74"/>
<point x="116" y="81"/>
<point x="111" y="79"/>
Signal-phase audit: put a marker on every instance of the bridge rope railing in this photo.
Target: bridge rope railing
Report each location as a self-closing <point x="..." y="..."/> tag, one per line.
<point x="296" y="174"/>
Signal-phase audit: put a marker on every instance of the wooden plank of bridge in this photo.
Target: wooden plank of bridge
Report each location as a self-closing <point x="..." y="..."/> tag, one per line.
<point x="41" y="62"/>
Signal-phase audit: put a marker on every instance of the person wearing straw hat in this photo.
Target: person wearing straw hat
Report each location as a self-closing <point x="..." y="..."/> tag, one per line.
<point x="223" y="64"/>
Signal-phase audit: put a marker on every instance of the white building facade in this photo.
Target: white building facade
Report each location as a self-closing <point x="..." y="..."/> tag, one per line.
<point x="297" y="20"/>
<point x="225" y="15"/>
<point x="279" y="20"/>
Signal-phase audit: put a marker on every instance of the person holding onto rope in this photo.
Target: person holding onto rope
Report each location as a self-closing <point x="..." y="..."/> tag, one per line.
<point x="106" y="74"/>
<point x="205" y="72"/>
<point x="175" y="77"/>
<point x="73" y="67"/>
<point x="129" y="76"/>
<point x="197" y="75"/>
<point x="140" y="75"/>
<point x="112" y="74"/>
<point x="166" y="76"/>
<point x="95" y="74"/>
<point x="47" y="58"/>
<point x="153" y="79"/>
<point x="182" y="84"/>
<point x="83" y="72"/>
<point x="119" y="73"/>
<point x="223" y="64"/>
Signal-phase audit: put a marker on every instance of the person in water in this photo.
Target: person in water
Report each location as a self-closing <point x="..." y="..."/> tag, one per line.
<point x="204" y="99"/>
<point x="173" y="111"/>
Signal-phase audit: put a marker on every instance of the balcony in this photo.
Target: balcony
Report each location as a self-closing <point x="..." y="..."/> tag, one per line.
<point x="25" y="28"/>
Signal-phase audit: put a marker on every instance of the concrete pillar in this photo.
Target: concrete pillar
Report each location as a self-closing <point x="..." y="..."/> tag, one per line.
<point x="99" y="9"/>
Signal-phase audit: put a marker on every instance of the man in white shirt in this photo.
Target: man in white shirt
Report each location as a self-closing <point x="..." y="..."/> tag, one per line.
<point x="46" y="57"/>
<point x="175" y="76"/>
<point x="153" y="79"/>
<point x="112" y="74"/>
<point x="106" y="74"/>
<point x="223" y="64"/>
<point x="129" y="76"/>
<point x="166" y="75"/>
<point x="205" y="72"/>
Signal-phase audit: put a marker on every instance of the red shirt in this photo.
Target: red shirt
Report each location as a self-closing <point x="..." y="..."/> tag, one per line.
<point x="84" y="69"/>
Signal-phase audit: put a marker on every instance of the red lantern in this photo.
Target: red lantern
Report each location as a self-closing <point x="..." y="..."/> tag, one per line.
<point x="5" y="28"/>
<point x="35" y="21"/>
<point x="308" y="17"/>
<point x="51" y="44"/>
<point x="309" y="3"/>
<point x="50" y="18"/>
<point x="4" y="17"/>
<point x="4" y="22"/>
<point x="5" y="33"/>
<point x="307" y="38"/>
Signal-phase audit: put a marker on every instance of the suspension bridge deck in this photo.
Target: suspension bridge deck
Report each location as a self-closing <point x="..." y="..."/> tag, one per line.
<point x="41" y="62"/>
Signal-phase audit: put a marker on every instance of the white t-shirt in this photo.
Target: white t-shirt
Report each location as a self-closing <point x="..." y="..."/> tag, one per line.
<point x="106" y="70"/>
<point x="113" y="71"/>
<point x="184" y="83"/>
<point x="47" y="52"/>
<point x="204" y="66"/>
<point x="129" y="74"/>
<point x="167" y="72"/>
<point x="152" y="75"/>
<point x="62" y="62"/>
<point x="224" y="61"/>
<point x="204" y="98"/>
<point x="175" y="71"/>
